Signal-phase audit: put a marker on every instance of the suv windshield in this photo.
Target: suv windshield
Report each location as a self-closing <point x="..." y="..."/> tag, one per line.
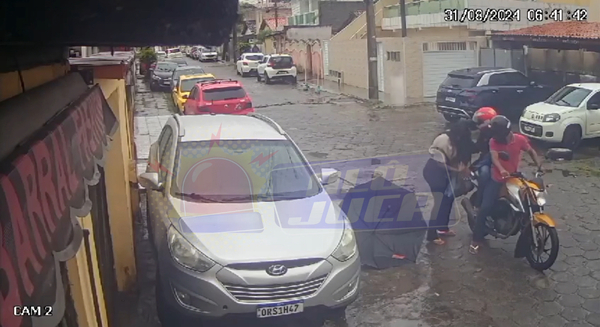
<point x="166" y="66"/>
<point x="242" y="171"/>
<point x="254" y="57"/>
<point x="225" y="93"/>
<point x="458" y="82"/>
<point x="569" y="96"/>
<point x="188" y="84"/>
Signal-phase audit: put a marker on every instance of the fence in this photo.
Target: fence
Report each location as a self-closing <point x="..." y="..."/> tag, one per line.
<point x="490" y="57"/>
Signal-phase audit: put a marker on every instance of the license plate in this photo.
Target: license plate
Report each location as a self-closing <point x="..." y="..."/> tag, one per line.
<point x="528" y="128"/>
<point x="282" y="72"/>
<point x="451" y="99"/>
<point x="280" y="309"/>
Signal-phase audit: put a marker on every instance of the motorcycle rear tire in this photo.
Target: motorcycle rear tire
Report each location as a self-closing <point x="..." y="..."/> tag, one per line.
<point x="541" y="266"/>
<point x="471" y="217"/>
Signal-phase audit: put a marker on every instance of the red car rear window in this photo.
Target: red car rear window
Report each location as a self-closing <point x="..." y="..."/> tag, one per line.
<point x="226" y="93"/>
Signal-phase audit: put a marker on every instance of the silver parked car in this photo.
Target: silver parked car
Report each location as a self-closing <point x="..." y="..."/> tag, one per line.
<point x="234" y="214"/>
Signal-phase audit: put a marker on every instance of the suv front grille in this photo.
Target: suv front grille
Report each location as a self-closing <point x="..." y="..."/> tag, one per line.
<point x="275" y="292"/>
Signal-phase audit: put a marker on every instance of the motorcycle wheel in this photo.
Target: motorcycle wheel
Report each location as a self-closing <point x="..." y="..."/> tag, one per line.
<point x="543" y="233"/>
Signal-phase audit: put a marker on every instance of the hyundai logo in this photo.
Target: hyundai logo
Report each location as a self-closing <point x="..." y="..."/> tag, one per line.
<point x="277" y="270"/>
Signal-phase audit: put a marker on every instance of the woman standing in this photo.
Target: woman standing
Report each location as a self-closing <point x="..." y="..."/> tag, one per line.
<point x="450" y="152"/>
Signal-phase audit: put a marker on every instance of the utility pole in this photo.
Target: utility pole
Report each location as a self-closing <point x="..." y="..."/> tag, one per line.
<point x="234" y="41"/>
<point x="403" y="16"/>
<point x="372" y="51"/>
<point x="276" y="15"/>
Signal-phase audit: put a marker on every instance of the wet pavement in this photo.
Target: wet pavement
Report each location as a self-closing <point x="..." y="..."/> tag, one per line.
<point x="447" y="286"/>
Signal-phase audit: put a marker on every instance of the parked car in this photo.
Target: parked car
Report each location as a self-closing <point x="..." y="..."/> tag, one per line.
<point x="174" y="53"/>
<point x="568" y="116"/>
<point x="277" y="67"/>
<point x="195" y="52"/>
<point x="208" y="54"/>
<point x="185" y="70"/>
<point x="185" y="85"/>
<point x="181" y="62"/>
<point x="248" y="63"/>
<point x="220" y="249"/>
<point x="507" y="90"/>
<point x="161" y="75"/>
<point x="218" y="96"/>
<point x="161" y="55"/>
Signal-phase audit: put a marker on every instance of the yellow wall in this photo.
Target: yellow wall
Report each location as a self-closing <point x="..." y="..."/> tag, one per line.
<point x="81" y="282"/>
<point x="359" y="26"/>
<point x="10" y="83"/>
<point x="118" y="174"/>
<point x="594" y="11"/>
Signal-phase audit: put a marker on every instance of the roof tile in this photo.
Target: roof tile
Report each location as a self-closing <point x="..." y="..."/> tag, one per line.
<point x="574" y="30"/>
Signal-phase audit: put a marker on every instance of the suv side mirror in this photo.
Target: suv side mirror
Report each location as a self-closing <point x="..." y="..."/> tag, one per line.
<point x="329" y="176"/>
<point x="149" y="181"/>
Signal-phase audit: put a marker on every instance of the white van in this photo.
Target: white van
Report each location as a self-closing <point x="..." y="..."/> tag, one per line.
<point x="174" y="53"/>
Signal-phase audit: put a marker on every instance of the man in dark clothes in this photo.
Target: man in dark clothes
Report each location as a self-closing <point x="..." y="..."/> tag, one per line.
<point x="482" y="118"/>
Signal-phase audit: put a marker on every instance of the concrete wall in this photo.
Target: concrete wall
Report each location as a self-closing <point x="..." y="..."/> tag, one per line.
<point x="358" y="26"/>
<point x="594" y="10"/>
<point x="349" y="57"/>
<point x="307" y="56"/>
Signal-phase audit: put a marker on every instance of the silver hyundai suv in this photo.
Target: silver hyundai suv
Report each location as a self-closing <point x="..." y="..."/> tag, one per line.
<point x="241" y="223"/>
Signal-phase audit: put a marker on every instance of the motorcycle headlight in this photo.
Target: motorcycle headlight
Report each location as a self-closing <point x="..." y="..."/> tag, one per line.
<point x="550" y="118"/>
<point x="347" y="247"/>
<point x="154" y="77"/>
<point x="185" y="253"/>
<point x="541" y="198"/>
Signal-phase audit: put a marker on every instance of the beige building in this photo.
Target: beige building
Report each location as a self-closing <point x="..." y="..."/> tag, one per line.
<point x="410" y="69"/>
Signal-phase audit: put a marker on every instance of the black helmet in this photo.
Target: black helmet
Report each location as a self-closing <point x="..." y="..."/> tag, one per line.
<point x="500" y="127"/>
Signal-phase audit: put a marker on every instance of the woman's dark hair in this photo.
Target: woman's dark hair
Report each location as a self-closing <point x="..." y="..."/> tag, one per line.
<point x="460" y="137"/>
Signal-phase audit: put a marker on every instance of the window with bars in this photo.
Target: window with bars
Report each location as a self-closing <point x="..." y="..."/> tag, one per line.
<point x="393" y="55"/>
<point x="449" y="46"/>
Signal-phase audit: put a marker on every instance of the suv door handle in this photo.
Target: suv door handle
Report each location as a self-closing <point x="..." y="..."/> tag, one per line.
<point x="519" y="91"/>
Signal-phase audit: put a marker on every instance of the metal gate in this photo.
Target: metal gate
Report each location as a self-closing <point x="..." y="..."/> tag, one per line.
<point x="104" y="249"/>
<point x="440" y="58"/>
<point x="380" y="66"/>
<point x="325" y="55"/>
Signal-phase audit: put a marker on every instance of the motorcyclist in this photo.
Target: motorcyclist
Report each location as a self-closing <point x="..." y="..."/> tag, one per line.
<point x="512" y="144"/>
<point x="482" y="119"/>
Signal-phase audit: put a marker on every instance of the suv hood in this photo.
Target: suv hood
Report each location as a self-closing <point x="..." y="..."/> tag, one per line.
<point x="546" y="108"/>
<point x="163" y="74"/>
<point x="253" y="232"/>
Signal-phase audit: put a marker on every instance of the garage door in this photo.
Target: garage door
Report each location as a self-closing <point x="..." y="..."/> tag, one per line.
<point x="442" y="59"/>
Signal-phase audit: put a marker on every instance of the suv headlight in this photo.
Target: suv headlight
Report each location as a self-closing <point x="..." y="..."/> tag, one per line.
<point x="551" y="118"/>
<point x="347" y="247"/>
<point x="185" y="253"/>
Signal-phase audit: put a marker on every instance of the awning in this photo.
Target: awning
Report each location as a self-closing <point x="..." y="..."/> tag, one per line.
<point x="43" y="189"/>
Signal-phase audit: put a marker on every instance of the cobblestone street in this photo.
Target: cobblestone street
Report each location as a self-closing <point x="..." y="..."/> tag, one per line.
<point x="447" y="286"/>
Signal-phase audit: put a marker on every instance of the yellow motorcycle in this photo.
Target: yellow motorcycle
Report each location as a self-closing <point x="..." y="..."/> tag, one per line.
<point x="520" y="209"/>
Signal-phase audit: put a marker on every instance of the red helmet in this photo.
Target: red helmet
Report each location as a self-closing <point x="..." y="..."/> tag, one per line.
<point x="484" y="114"/>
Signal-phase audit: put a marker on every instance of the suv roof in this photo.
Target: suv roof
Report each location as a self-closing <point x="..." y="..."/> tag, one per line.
<point x="474" y="71"/>
<point x="228" y="127"/>
<point x="279" y="55"/>
<point x="219" y="83"/>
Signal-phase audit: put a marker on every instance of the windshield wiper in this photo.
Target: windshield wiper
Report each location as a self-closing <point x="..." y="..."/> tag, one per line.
<point x="236" y="199"/>
<point x="197" y="196"/>
<point x="563" y="101"/>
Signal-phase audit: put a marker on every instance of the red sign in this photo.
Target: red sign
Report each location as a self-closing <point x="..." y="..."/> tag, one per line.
<point x="43" y="189"/>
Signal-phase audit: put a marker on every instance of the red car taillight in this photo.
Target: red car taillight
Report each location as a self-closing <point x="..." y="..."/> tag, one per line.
<point x="248" y="105"/>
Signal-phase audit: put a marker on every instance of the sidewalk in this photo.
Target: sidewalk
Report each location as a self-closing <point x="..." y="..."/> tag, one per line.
<point x="390" y="99"/>
<point x="152" y="110"/>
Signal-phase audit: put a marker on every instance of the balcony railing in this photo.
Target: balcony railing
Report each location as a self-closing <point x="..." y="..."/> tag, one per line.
<point x="309" y="18"/>
<point x="425" y="14"/>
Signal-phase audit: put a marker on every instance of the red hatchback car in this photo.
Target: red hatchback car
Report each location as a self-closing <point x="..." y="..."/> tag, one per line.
<point x="219" y="97"/>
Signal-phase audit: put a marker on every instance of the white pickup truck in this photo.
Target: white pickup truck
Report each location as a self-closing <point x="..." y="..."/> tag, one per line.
<point x="567" y="117"/>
